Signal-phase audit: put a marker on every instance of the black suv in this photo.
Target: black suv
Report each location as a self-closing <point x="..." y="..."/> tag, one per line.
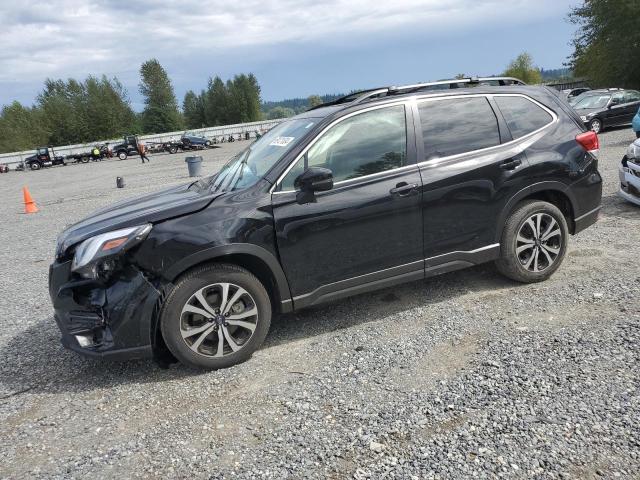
<point x="340" y="200"/>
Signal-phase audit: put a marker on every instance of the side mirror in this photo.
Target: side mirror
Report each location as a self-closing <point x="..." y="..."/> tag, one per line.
<point x="314" y="179"/>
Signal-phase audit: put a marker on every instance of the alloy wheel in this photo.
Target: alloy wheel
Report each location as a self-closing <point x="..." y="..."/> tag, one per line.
<point x="218" y="319"/>
<point x="596" y="126"/>
<point x="538" y="242"/>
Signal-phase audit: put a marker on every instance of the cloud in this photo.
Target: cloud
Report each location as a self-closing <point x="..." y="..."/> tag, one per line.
<point x="73" y="38"/>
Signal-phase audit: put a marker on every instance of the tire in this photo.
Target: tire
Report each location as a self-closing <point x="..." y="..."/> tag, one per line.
<point x="122" y="155"/>
<point x="35" y="166"/>
<point x="84" y="159"/>
<point x="521" y="242"/>
<point x="595" y="125"/>
<point x="207" y="143"/>
<point x="202" y="348"/>
<point x="173" y="150"/>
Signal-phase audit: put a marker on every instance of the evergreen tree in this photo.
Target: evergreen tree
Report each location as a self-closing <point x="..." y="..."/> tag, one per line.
<point x="607" y="43"/>
<point x="216" y="100"/>
<point x="21" y="128"/>
<point x="161" y="112"/>
<point x="193" y="110"/>
<point x="107" y="109"/>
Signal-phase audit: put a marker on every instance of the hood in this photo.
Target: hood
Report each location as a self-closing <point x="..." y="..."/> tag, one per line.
<point x="155" y="207"/>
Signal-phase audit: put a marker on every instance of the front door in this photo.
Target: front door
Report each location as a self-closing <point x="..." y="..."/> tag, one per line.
<point x="366" y="230"/>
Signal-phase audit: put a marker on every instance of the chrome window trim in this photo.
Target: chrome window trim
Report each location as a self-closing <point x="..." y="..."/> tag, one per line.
<point x="437" y="161"/>
<point x="403" y="102"/>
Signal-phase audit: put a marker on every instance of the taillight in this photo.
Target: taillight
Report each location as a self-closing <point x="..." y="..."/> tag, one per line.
<point x="589" y="141"/>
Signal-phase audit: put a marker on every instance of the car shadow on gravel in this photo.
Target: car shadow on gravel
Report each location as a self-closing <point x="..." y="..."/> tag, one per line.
<point x="385" y="303"/>
<point x="35" y="361"/>
<point x="616" y="206"/>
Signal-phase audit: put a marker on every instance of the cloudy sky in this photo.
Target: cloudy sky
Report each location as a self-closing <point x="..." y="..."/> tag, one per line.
<point x="294" y="47"/>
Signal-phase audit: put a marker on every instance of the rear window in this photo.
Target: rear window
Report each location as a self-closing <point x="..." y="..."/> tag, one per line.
<point x="457" y="125"/>
<point x="522" y="115"/>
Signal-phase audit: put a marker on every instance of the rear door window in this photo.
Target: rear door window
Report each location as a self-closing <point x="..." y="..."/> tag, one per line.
<point x="522" y="115"/>
<point x="457" y="125"/>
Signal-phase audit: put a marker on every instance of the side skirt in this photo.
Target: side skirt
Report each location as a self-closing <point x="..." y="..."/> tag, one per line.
<point x="396" y="275"/>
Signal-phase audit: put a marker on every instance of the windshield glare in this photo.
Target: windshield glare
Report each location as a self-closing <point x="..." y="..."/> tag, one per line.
<point x="593" y="101"/>
<point x="250" y="165"/>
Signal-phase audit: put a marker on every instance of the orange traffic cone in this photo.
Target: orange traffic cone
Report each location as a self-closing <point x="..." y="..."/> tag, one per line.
<point x="29" y="205"/>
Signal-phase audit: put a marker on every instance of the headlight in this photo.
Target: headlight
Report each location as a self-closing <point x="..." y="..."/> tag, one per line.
<point x="634" y="150"/>
<point x="583" y="118"/>
<point x="92" y="250"/>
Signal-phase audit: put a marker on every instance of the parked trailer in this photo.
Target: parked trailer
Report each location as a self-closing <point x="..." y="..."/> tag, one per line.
<point x="97" y="153"/>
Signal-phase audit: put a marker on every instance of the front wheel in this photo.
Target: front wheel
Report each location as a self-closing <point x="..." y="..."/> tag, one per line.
<point x="534" y="242"/>
<point x="35" y="166"/>
<point x="207" y="143"/>
<point x="173" y="149"/>
<point x="216" y="316"/>
<point x="122" y="155"/>
<point x="595" y="125"/>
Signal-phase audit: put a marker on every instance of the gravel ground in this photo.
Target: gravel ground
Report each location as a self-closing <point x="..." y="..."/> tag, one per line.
<point x="463" y="375"/>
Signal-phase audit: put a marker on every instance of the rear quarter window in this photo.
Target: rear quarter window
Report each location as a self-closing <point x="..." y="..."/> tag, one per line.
<point x="522" y="115"/>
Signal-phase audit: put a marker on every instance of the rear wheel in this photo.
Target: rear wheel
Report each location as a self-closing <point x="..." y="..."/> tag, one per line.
<point x="534" y="242"/>
<point x="207" y="143"/>
<point x="173" y="149"/>
<point x="84" y="159"/>
<point x="216" y="316"/>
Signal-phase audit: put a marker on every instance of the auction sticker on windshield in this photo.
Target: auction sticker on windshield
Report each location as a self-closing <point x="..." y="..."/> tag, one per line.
<point x="282" y="141"/>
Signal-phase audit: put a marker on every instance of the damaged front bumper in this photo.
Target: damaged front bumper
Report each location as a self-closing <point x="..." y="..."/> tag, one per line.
<point x="108" y="320"/>
<point x="629" y="172"/>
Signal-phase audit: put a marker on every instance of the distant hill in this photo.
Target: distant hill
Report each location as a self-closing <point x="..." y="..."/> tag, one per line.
<point x="556" y="74"/>
<point x="292" y="106"/>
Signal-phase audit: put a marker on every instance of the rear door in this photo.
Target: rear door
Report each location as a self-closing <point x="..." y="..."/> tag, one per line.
<point x="616" y="110"/>
<point x="631" y="103"/>
<point x="472" y="163"/>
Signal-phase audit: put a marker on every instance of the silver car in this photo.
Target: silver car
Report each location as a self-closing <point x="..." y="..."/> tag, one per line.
<point x="629" y="171"/>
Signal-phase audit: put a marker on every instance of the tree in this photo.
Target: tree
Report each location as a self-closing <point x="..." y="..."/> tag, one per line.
<point x="161" y="107"/>
<point x="215" y="104"/>
<point x="107" y="107"/>
<point x="21" y="128"/>
<point x="523" y="69"/>
<point x="314" y="101"/>
<point x="280" y="112"/>
<point x="607" y="43"/>
<point x="193" y="109"/>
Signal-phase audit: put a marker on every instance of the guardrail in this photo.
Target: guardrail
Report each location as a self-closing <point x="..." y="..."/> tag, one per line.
<point x="219" y="131"/>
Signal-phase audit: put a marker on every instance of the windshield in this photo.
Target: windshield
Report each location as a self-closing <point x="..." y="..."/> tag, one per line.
<point x="250" y="165"/>
<point x="593" y="101"/>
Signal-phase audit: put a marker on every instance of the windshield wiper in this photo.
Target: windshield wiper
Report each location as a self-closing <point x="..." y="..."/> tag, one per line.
<point x="231" y="175"/>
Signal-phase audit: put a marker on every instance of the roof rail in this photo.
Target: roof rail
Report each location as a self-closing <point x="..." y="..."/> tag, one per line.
<point x="355" y="98"/>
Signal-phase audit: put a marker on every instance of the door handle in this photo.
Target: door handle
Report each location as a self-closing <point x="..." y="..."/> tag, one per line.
<point x="510" y="164"/>
<point x="403" y="189"/>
